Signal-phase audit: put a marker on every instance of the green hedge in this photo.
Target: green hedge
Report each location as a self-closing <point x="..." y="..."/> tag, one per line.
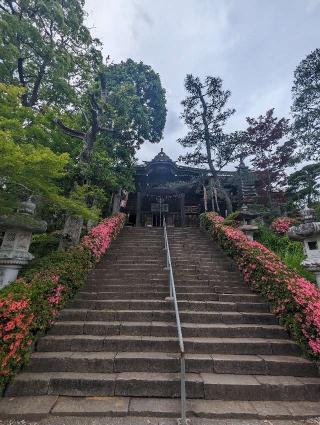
<point x="30" y="305"/>
<point x="293" y="298"/>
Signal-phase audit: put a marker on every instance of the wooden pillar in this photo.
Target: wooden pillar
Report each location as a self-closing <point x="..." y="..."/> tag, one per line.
<point x="182" y="212"/>
<point x="138" y="212"/>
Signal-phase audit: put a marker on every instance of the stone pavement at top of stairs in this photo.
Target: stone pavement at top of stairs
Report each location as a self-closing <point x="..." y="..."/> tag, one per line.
<point x="151" y="421"/>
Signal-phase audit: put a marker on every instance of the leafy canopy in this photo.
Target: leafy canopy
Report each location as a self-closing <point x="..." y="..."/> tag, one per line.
<point x="205" y="114"/>
<point x="306" y="106"/>
<point x="28" y="168"/>
<point x="270" y="149"/>
<point x="46" y="48"/>
<point x="304" y="185"/>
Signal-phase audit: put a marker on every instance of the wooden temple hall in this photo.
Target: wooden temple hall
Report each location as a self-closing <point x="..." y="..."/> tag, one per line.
<point x="180" y="193"/>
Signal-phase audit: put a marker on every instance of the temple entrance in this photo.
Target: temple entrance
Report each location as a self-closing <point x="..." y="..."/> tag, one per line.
<point x="157" y="220"/>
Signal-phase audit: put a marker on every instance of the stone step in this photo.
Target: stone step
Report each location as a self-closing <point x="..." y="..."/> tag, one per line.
<point x="132" y="266"/>
<point x="128" y="304"/>
<point x="162" y="294"/>
<point x="195" y="345"/>
<point x="126" y="281"/>
<point x="108" y="285"/>
<point x="216" y="281"/>
<point x="122" y="274"/>
<point x="64" y="410"/>
<point x="209" y="386"/>
<point x="146" y="295"/>
<point x="136" y="261"/>
<point x="167" y="315"/>
<point x="168" y="329"/>
<point x="113" y="362"/>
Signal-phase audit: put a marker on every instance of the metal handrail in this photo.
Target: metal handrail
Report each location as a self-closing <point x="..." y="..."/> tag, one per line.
<point x="173" y="295"/>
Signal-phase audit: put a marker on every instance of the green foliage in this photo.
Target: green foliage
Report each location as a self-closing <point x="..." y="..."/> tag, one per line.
<point x="135" y="102"/>
<point x="205" y="113"/>
<point x="304" y="185"/>
<point x="44" y="243"/>
<point x="230" y="220"/>
<point x="46" y="48"/>
<point x="305" y="108"/>
<point x="27" y="168"/>
<point x="290" y="252"/>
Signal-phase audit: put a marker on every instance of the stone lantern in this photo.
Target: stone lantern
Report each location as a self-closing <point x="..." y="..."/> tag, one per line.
<point x="18" y="230"/>
<point x="248" y="226"/>
<point x="309" y="234"/>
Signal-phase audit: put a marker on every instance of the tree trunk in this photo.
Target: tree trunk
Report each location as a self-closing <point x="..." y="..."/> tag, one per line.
<point x="209" y="157"/>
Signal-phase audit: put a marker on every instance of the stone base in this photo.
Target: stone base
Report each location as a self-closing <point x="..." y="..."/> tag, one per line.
<point x="8" y="274"/>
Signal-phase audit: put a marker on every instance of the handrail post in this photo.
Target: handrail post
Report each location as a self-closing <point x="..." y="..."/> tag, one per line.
<point x="173" y="295"/>
<point x="183" y="390"/>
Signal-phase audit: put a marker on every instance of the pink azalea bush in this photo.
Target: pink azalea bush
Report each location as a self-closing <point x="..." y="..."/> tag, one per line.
<point x="293" y="298"/>
<point x="99" y="238"/>
<point x="281" y="224"/>
<point x="30" y="305"/>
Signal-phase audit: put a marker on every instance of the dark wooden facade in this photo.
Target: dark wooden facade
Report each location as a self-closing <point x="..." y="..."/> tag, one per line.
<point x="166" y="189"/>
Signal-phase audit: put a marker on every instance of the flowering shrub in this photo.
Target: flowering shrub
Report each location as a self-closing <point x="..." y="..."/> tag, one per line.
<point x="99" y="238"/>
<point x="15" y="326"/>
<point x="281" y="224"/>
<point x="30" y="305"/>
<point x="293" y="298"/>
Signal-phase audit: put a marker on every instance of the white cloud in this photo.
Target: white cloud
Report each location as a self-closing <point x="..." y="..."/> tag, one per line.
<point x="254" y="45"/>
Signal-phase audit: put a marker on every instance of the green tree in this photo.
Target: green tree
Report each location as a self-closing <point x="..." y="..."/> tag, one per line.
<point x="306" y="106"/>
<point x="205" y="114"/>
<point x="126" y="105"/>
<point x="27" y="168"/>
<point x="304" y="185"/>
<point x="46" y="48"/>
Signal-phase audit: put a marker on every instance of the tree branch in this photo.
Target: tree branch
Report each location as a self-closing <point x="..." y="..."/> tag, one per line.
<point x="36" y="87"/>
<point x="70" y="131"/>
<point x="21" y="72"/>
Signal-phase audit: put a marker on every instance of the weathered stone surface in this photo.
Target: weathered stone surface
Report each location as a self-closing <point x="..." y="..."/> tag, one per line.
<point x="154" y="407"/>
<point x="82" y="384"/>
<point x="238" y="364"/>
<point x="153" y="362"/>
<point x="272" y="409"/>
<point x="93" y="406"/>
<point x="29" y="384"/>
<point x="231" y="387"/>
<point x="281" y="387"/>
<point x="221" y="408"/>
<point x="32" y="407"/>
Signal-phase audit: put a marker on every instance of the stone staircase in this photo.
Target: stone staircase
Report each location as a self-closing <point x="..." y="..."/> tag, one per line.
<point x="114" y="349"/>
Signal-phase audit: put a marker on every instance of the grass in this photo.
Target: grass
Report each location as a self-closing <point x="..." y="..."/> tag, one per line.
<point x="290" y="252"/>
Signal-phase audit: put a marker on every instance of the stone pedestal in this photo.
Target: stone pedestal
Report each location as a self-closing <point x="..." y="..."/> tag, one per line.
<point x="18" y="230"/>
<point x="249" y="230"/>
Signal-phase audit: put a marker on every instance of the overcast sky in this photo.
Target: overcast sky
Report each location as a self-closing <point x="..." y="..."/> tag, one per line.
<point x="253" y="45"/>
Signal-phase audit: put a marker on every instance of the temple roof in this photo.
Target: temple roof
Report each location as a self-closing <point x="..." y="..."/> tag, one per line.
<point x="161" y="157"/>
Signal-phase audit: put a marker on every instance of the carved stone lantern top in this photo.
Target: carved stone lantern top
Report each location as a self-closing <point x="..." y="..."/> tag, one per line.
<point x="23" y="219"/>
<point x="246" y="215"/>
<point x="309" y="228"/>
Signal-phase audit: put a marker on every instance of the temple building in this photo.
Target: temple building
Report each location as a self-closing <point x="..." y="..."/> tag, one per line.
<point x="180" y="193"/>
